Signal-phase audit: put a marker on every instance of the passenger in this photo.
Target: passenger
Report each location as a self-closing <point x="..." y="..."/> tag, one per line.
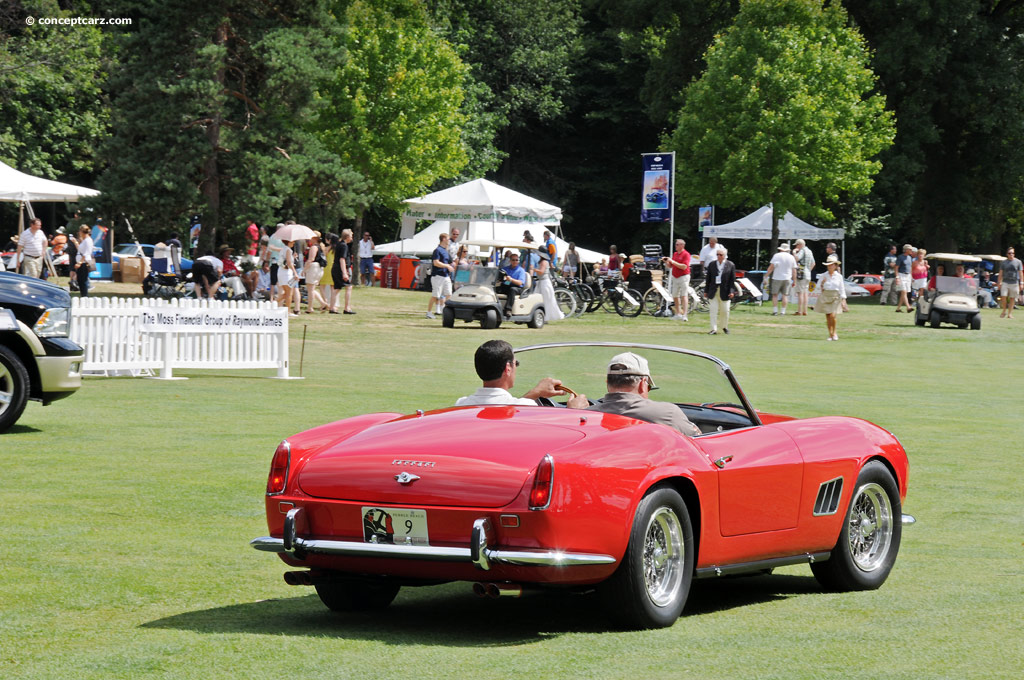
<point x="629" y="387"/>
<point x="496" y="365"/>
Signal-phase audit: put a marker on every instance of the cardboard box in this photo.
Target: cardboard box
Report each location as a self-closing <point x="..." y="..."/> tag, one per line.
<point x="133" y="269"/>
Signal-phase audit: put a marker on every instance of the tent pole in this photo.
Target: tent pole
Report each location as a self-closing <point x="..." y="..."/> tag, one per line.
<point x="757" y="256"/>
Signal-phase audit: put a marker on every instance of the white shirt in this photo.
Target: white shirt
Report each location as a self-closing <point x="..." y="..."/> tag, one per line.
<point x="707" y="254"/>
<point x="494" y="396"/>
<point x="33" y="243"/>
<point x="833" y="282"/>
<point x="85" y="249"/>
<point x="784" y="264"/>
<point x="365" y="248"/>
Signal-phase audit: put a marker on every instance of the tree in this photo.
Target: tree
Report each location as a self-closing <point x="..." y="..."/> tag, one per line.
<point x="393" y="108"/>
<point x="521" y="55"/>
<point x="52" y="112"/>
<point x="213" y="112"/>
<point x="785" y="113"/>
<point x="951" y="71"/>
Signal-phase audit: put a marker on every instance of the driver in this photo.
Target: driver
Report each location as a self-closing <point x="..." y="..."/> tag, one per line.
<point x="512" y="281"/>
<point x="496" y="365"/>
<point x="629" y="386"/>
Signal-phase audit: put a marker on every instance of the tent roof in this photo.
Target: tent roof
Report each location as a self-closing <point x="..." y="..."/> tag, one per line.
<point x="424" y="242"/>
<point x="758" y="225"/>
<point x="16" y="186"/>
<point x="483" y="200"/>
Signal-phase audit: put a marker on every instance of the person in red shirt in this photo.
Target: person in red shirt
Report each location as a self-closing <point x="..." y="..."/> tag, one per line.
<point x="231" y="269"/>
<point x="679" y="281"/>
<point x="252" y="232"/>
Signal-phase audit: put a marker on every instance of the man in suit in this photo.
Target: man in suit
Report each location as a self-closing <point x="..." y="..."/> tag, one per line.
<point x="720" y="289"/>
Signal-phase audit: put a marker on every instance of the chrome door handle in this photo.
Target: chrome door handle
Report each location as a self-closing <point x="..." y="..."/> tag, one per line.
<point x="720" y="463"/>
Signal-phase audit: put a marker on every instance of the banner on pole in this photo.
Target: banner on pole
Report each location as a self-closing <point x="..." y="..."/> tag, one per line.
<point x="656" y="197"/>
<point x="705" y="217"/>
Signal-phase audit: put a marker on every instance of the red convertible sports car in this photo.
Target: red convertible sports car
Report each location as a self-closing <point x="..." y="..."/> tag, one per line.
<point x="513" y="497"/>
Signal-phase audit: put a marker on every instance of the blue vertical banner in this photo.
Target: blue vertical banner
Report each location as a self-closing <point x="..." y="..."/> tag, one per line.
<point x="657" y="188"/>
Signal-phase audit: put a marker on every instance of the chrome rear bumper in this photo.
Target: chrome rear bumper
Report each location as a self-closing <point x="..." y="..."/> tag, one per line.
<point x="478" y="552"/>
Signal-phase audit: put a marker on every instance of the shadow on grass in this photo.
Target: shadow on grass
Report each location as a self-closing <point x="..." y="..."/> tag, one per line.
<point x="450" y="616"/>
<point x="21" y="429"/>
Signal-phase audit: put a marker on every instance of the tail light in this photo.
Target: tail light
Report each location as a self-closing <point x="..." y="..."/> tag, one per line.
<point x="543" y="481"/>
<point x="279" y="469"/>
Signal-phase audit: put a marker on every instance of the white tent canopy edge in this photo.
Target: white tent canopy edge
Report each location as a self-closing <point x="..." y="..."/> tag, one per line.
<point x="758" y="225"/>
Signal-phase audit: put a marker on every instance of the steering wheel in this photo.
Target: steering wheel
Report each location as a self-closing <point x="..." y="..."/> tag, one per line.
<point x="546" y="401"/>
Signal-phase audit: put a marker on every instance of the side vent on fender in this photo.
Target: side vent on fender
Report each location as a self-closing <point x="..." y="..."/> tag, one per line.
<point x="829" y="493"/>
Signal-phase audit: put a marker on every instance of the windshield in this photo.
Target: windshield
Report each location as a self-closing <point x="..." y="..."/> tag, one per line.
<point x="953" y="284"/>
<point x="483" y="276"/>
<point x="129" y="249"/>
<point x="682" y="376"/>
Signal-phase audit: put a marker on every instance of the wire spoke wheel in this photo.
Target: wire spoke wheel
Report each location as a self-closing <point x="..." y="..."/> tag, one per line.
<point x="566" y="300"/>
<point x="663" y="557"/>
<point x="870" y="530"/>
<point x="629" y="302"/>
<point x="653" y="301"/>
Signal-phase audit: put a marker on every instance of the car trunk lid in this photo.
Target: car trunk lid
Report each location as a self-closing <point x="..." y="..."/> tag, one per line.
<point x="462" y="457"/>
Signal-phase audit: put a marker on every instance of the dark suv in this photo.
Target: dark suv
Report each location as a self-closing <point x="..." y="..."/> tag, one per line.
<point x="37" y="359"/>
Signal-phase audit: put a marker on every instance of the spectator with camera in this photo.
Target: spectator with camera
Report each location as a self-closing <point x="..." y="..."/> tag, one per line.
<point x="804" y="264"/>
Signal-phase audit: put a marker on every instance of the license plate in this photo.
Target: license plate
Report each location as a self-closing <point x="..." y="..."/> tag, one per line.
<point x="398" y="526"/>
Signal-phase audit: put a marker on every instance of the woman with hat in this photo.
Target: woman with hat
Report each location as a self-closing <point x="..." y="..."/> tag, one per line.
<point x="831" y="295"/>
<point x="546" y="289"/>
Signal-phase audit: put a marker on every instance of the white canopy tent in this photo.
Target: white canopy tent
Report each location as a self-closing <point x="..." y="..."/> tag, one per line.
<point x="19" y="187"/>
<point x="424" y="242"/>
<point x="481" y="203"/>
<point x="16" y="187"/>
<point x="758" y="225"/>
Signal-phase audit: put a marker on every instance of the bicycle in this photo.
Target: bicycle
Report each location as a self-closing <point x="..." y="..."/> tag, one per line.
<point x="615" y="296"/>
<point x="582" y="293"/>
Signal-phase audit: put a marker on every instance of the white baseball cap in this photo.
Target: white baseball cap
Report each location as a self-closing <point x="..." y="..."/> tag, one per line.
<point x="629" y="363"/>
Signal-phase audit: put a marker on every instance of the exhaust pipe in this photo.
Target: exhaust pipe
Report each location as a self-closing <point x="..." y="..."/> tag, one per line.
<point x="496" y="590"/>
<point x="298" y="578"/>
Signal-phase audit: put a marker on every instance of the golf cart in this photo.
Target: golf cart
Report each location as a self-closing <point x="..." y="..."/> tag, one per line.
<point x="478" y="299"/>
<point x="955" y="298"/>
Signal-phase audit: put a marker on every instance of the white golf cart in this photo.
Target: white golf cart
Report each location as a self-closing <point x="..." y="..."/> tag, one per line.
<point x="955" y="298"/>
<point x="481" y="299"/>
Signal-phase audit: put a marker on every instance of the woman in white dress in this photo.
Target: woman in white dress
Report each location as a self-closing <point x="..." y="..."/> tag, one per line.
<point x="288" y="278"/>
<point x="546" y="289"/>
<point x="831" y="295"/>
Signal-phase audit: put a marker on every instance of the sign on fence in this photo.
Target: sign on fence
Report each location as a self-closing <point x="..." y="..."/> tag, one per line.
<point x="139" y="335"/>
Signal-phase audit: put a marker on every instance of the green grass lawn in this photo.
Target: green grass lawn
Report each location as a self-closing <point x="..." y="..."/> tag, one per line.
<point x="128" y="507"/>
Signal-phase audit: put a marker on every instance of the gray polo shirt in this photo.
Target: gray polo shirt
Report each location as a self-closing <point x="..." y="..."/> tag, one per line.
<point x="634" y="406"/>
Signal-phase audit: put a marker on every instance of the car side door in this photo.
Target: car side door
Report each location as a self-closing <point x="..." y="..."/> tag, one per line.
<point x="760" y="474"/>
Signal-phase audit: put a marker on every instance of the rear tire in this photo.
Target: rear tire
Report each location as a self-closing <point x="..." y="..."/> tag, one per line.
<point x="868" y="544"/>
<point x="14" y="388"/>
<point x="650" y="587"/>
<point x="356" y="596"/>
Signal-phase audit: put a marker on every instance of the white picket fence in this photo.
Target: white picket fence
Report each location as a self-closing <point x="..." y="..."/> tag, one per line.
<point x="123" y="336"/>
